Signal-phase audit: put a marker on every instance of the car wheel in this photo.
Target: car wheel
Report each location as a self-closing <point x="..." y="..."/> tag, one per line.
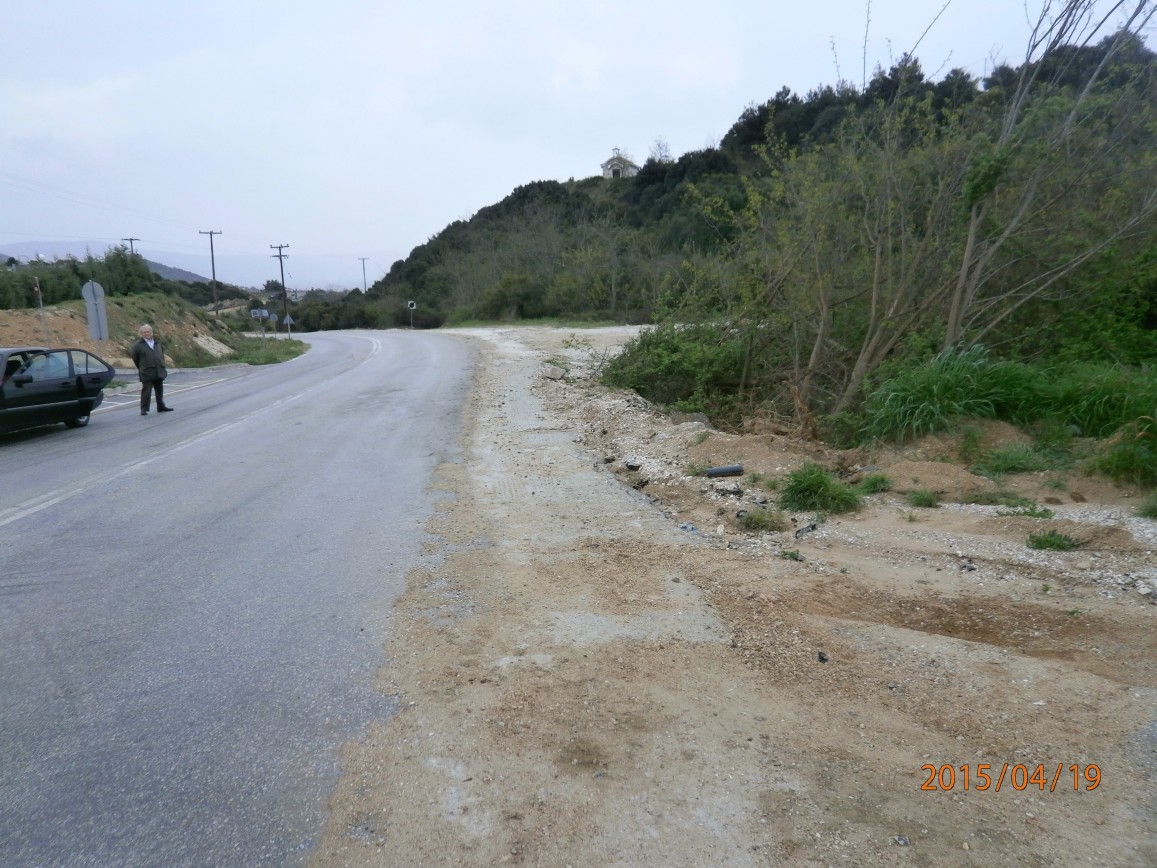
<point x="78" y="422"/>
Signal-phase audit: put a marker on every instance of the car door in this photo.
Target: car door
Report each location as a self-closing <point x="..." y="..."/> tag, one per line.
<point x="92" y="374"/>
<point x="43" y="390"/>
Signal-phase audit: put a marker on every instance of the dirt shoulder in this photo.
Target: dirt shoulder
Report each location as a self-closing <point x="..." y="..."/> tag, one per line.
<point x="596" y="665"/>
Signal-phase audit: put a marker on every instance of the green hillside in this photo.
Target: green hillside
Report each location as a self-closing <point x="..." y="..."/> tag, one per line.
<point x="834" y="238"/>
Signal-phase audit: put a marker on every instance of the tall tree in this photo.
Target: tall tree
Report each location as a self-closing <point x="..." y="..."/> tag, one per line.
<point x="1065" y="147"/>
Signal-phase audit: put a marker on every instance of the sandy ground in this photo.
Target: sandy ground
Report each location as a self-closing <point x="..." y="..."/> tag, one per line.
<point x="597" y="666"/>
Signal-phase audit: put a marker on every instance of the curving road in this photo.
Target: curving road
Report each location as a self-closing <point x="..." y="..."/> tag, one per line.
<point x="192" y="605"/>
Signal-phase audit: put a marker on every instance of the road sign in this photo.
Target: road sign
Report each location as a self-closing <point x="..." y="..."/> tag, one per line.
<point x="288" y="320"/>
<point x="411" y="304"/>
<point x="94" y="308"/>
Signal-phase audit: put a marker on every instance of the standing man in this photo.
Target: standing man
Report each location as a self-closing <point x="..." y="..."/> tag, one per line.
<point x="149" y="357"/>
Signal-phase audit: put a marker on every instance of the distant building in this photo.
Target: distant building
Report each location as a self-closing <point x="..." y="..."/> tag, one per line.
<point x="619" y="166"/>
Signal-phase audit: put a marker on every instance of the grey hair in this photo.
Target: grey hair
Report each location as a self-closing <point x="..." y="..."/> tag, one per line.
<point x="144" y="328"/>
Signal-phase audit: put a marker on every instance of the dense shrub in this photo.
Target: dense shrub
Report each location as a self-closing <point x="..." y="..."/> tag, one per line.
<point x="1132" y="456"/>
<point x="953" y="385"/>
<point x="1097" y="399"/>
<point x="1092" y="400"/>
<point x="695" y="368"/>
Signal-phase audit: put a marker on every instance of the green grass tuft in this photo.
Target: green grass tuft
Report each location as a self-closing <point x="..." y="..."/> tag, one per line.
<point x="923" y="499"/>
<point x="1053" y="541"/>
<point x="997" y="498"/>
<point x="874" y="483"/>
<point x="1011" y="458"/>
<point x="1148" y="509"/>
<point x="766" y="520"/>
<point x="811" y="487"/>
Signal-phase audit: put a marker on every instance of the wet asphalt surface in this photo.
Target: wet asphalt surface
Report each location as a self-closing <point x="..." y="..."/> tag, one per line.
<point x="193" y="605"/>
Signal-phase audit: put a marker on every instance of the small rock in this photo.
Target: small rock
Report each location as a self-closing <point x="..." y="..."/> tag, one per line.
<point x="900" y="840"/>
<point x="822" y="657"/>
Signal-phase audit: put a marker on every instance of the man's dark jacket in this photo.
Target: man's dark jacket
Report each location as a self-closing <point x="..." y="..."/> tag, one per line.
<point x="150" y="362"/>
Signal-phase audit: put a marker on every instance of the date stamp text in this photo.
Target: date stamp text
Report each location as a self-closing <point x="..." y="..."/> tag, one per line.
<point x="985" y="777"/>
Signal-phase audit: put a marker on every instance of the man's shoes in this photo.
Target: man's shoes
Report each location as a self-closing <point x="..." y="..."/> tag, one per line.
<point x="165" y="409"/>
<point x="144" y="412"/>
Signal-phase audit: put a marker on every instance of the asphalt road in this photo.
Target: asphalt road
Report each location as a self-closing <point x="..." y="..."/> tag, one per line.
<point x="193" y="604"/>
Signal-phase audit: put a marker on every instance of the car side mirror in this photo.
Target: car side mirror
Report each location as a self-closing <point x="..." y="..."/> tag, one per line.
<point x="21" y="379"/>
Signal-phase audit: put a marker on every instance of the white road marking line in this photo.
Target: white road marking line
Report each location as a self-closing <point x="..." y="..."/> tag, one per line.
<point x="133" y="400"/>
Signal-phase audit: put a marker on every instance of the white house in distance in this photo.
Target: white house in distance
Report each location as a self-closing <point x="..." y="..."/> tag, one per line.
<point x="619" y="166"/>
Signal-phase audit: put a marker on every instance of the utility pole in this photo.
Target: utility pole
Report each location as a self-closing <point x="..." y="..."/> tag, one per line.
<point x="281" y="257"/>
<point x="130" y="241"/>
<point x="40" y="304"/>
<point x="213" y="265"/>
<point x="363" y="259"/>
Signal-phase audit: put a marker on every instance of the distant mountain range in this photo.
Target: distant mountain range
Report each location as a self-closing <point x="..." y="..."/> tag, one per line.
<point x="170" y="273"/>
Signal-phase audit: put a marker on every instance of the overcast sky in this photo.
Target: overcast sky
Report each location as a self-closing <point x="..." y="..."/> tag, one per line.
<point x="350" y="129"/>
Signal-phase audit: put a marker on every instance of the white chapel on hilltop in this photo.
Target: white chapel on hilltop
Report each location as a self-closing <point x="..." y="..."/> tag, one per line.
<point x="619" y="166"/>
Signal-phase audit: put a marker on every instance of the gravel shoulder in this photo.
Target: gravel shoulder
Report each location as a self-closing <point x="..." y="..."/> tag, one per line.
<point x="597" y="665"/>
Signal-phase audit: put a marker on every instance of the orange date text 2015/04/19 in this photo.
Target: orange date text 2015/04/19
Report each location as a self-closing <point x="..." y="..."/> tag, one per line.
<point x="984" y="777"/>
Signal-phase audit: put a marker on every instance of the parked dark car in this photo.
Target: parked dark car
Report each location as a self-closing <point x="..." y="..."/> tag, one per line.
<point x="42" y="386"/>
